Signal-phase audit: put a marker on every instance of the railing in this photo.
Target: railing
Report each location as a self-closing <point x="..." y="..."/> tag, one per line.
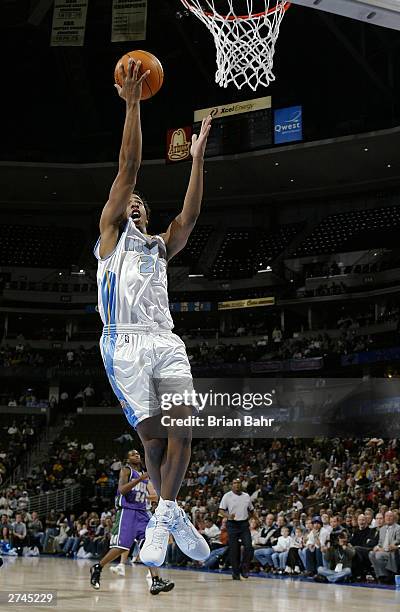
<point x="55" y="500"/>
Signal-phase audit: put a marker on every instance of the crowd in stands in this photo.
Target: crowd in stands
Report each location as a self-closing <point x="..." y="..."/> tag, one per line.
<point x="17" y="436"/>
<point x="302" y="485"/>
<point x="313" y="499"/>
<point x="274" y="345"/>
<point x="86" y="395"/>
<point x="22" y="354"/>
<point x="266" y="340"/>
<point x="279" y="347"/>
<point x="71" y="462"/>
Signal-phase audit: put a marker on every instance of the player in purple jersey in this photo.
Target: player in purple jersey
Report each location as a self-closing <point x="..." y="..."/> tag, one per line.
<point x="134" y="488"/>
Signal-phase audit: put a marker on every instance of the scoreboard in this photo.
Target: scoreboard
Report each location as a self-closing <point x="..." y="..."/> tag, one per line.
<point x="237" y="127"/>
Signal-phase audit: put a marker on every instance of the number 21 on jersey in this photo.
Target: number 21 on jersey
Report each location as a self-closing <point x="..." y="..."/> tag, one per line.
<point x="147" y="264"/>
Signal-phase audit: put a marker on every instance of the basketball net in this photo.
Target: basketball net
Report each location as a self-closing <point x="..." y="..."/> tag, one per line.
<point x="245" y="43"/>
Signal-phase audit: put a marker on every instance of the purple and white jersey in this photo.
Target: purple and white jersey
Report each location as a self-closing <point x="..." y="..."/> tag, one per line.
<point x="137" y="497"/>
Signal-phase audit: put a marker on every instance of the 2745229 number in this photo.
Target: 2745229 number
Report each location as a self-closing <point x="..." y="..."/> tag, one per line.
<point x="25" y="598"/>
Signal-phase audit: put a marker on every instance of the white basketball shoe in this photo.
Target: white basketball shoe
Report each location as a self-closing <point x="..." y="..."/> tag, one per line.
<point x="119" y="569"/>
<point x="158" y="529"/>
<point x="189" y="540"/>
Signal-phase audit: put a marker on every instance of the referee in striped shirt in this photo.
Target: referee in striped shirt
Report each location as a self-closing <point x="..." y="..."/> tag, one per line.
<point x="236" y="506"/>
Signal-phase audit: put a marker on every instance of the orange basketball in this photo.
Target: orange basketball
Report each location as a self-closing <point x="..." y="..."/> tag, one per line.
<point x="153" y="81"/>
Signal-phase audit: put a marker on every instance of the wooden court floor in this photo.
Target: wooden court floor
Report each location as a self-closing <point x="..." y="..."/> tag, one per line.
<point x="194" y="591"/>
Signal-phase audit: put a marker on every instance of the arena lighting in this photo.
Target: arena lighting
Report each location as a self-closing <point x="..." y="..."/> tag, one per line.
<point x="267" y="269"/>
<point x="276" y="163"/>
<point x="195" y="275"/>
<point x="366" y="149"/>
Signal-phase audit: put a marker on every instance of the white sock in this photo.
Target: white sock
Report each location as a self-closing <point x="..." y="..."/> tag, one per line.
<point x="167" y="502"/>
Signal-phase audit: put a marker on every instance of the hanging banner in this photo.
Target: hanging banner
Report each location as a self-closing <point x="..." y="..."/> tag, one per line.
<point x="69" y="23"/>
<point x="129" y="20"/>
<point x="249" y="303"/>
<point x="178" y="144"/>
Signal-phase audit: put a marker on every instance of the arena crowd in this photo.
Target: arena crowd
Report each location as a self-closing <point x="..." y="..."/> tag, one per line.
<point x="319" y="504"/>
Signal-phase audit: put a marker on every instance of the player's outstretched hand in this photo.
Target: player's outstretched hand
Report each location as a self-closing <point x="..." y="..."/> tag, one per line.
<point x="131" y="89"/>
<point x="199" y="142"/>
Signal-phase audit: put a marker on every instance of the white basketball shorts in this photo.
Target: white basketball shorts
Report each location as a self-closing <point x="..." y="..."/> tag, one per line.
<point x="142" y="365"/>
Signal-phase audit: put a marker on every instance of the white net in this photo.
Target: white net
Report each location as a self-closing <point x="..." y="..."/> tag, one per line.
<point x="245" y="43"/>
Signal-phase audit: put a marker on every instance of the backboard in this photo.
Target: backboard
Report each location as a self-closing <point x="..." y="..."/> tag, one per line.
<point x="385" y="13"/>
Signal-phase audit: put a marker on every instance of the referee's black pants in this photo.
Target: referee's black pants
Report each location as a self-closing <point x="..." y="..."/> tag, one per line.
<point x="239" y="534"/>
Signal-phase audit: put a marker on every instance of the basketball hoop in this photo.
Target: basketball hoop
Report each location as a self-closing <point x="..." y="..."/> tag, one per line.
<point x="245" y="43"/>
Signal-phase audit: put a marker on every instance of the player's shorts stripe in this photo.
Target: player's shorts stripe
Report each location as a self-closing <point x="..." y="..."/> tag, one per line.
<point x="109" y="344"/>
<point x="117" y="522"/>
<point x="116" y="530"/>
<point x="120" y="523"/>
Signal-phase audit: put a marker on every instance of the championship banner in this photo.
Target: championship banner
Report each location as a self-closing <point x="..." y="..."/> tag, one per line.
<point x="237" y="108"/>
<point x="179" y="141"/>
<point x="69" y="23"/>
<point x="288" y="124"/>
<point x="250" y="303"/>
<point x="129" y="20"/>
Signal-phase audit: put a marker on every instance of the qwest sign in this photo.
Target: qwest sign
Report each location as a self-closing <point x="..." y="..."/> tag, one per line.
<point x="288" y="124"/>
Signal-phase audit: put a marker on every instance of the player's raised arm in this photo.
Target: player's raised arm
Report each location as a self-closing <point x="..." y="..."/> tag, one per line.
<point x="181" y="227"/>
<point x="130" y="158"/>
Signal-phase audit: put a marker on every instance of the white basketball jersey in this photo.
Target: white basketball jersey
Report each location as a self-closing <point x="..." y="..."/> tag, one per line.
<point x="132" y="281"/>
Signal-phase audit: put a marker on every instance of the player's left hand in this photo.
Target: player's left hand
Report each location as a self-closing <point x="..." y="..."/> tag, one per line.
<point x="131" y="89"/>
<point x="199" y="142"/>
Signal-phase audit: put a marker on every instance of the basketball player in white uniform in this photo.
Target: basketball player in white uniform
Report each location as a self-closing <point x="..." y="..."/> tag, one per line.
<point x="137" y="344"/>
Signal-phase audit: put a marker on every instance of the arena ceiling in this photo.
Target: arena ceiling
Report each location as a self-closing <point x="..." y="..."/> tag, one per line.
<point x="59" y="104"/>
